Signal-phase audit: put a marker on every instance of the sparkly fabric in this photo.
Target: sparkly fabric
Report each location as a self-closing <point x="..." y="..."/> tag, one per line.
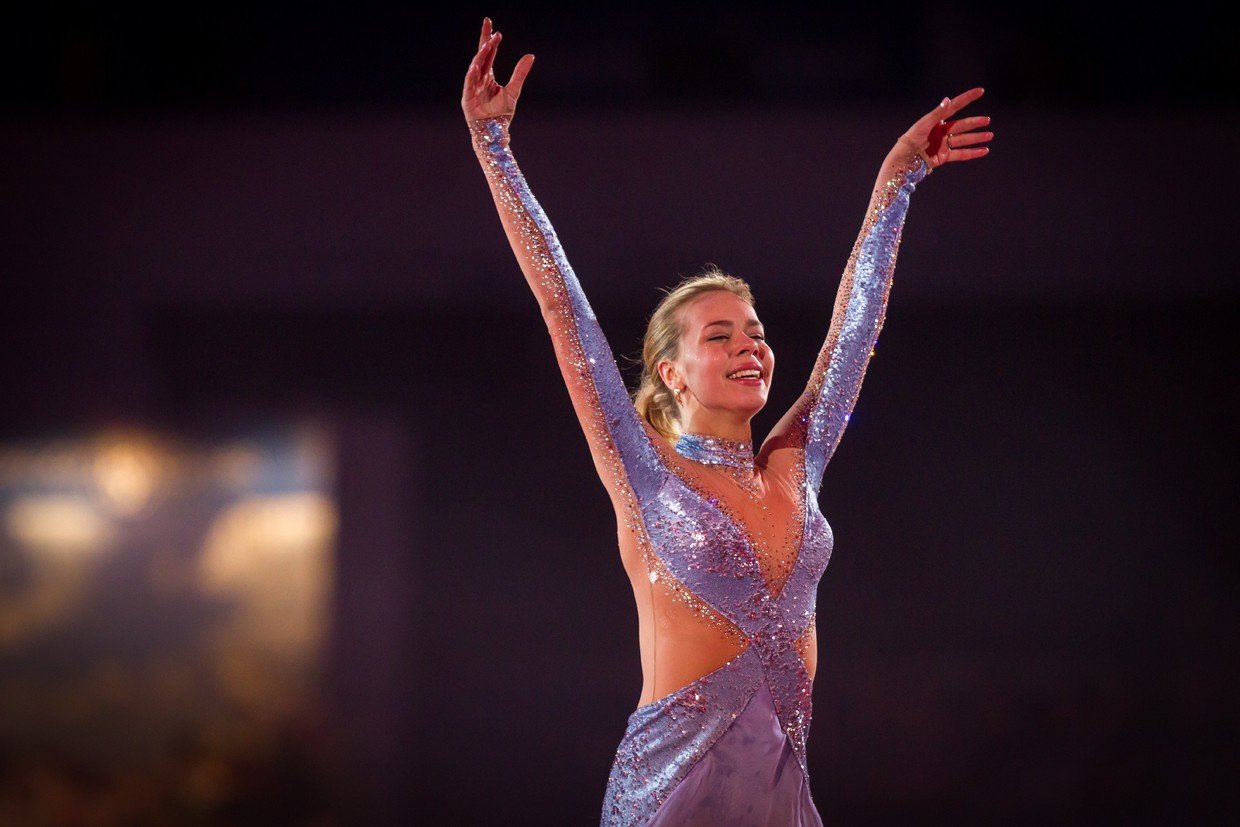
<point x="748" y="778"/>
<point x="729" y="746"/>
<point x="732" y="457"/>
<point x="715" y="450"/>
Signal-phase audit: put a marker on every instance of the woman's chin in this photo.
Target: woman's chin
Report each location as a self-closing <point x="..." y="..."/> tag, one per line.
<point x="750" y="406"/>
<point x="742" y="401"/>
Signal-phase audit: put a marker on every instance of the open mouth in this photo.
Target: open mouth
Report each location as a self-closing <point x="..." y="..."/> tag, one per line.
<point x="746" y="377"/>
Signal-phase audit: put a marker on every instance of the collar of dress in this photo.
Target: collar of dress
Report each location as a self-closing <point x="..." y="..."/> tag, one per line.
<point x="715" y="450"/>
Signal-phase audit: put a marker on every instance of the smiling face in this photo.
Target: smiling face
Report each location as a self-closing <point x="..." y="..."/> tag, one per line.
<point x="720" y="335"/>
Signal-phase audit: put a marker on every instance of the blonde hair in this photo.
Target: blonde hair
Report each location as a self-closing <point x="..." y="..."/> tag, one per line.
<point x="653" y="399"/>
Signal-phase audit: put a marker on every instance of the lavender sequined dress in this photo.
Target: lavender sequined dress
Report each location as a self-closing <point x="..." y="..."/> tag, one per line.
<point x="729" y="747"/>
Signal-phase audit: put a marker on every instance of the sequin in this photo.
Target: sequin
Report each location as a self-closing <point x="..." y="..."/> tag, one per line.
<point x="709" y="535"/>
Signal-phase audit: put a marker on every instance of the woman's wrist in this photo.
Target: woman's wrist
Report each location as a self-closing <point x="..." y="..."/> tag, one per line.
<point x="488" y="130"/>
<point x="906" y="146"/>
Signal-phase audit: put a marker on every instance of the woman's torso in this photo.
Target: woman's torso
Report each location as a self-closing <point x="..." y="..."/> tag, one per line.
<point x="682" y="637"/>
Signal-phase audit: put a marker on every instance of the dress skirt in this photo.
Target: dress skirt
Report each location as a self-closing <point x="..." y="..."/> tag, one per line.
<point x="747" y="774"/>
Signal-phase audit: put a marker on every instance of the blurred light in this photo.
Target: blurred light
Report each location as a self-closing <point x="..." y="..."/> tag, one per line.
<point x="58" y="524"/>
<point x="163" y="604"/>
<point x="127" y="470"/>
<point x="57" y="537"/>
<point x="260" y="527"/>
<point x="272" y="556"/>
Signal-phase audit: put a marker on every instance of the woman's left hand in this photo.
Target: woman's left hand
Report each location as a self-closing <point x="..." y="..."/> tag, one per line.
<point x="939" y="139"/>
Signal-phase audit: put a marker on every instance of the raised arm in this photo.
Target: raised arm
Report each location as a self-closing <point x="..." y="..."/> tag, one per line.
<point x="618" y="439"/>
<point x="817" y="420"/>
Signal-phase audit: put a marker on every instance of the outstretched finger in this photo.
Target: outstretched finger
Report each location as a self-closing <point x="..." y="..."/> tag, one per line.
<point x="491" y="51"/>
<point x="962" y="100"/>
<point x="486" y="32"/>
<point x="476" y="67"/>
<point x="488" y="53"/>
<point x="968" y="154"/>
<point x="480" y="56"/>
<point x="963" y="139"/>
<point x="967" y="124"/>
<point x="518" y="76"/>
<point x="948" y="107"/>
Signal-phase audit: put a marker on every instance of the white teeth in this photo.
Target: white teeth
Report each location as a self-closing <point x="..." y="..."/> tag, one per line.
<point x="755" y="374"/>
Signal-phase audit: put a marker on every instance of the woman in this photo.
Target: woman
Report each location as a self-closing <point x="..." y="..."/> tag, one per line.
<point x="724" y="548"/>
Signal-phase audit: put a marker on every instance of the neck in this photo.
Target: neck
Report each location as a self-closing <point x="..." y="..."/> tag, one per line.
<point x="716" y="450"/>
<point x="703" y="423"/>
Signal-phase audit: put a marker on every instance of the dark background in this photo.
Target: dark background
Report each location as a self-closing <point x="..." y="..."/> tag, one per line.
<point x="228" y="214"/>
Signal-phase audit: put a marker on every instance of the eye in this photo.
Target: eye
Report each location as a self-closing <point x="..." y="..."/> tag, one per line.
<point x="713" y="338"/>
<point x="758" y="336"/>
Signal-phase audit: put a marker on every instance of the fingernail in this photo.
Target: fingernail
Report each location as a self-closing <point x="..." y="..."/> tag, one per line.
<point x="945" y="101"/>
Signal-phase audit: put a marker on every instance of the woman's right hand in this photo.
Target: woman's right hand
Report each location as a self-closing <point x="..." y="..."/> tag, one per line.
<point x="482" y="97"/>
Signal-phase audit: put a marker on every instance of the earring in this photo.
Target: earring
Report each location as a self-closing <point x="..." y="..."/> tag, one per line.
<point x="676" y="392"/>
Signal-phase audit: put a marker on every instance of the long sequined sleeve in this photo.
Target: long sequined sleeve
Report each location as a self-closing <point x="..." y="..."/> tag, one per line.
<point x="861" y="306"/>
<point x="618" y="440"/>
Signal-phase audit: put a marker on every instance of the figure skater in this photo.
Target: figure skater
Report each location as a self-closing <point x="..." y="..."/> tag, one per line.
<point x="724" y="547"/>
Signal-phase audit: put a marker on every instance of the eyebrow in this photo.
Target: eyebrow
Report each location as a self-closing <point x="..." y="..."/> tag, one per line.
<point x="727" y="323"/>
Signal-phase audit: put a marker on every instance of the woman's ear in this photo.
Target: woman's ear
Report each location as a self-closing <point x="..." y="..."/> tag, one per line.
<point x="667" y="372"/>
